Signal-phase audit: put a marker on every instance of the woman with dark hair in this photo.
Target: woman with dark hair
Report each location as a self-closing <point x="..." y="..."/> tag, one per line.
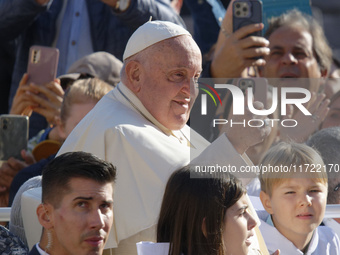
<point x="204" y="215"/>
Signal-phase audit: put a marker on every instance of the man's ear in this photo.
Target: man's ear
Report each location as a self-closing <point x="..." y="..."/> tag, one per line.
<point x="133" y="73"/>
<point x="44" y="213"/>
<point x="265" y="199"/>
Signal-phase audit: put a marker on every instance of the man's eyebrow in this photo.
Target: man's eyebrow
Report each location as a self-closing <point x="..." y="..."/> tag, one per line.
<point x="276" y="47"/>
<point x="83" y="198"/>
<point x="91" y="198"/>
<point x="300" y="47"/>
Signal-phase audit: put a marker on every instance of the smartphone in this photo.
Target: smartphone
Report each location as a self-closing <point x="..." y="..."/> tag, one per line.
<point x="42" y="64"/>
<point x="260" y="88"/>
<point x="246" y="12"/>
<point x="13" y="136"/>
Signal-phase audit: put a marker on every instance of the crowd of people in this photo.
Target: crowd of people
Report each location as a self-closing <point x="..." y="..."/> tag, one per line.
<point x="123" y="161"/>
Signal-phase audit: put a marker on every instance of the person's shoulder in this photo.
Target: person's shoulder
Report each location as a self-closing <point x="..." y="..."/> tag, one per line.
<point x="10" y="243"/>
<point x="328" y="241"/>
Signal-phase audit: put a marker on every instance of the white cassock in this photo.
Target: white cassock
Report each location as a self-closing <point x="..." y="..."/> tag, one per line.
<point x="120" y="130"/>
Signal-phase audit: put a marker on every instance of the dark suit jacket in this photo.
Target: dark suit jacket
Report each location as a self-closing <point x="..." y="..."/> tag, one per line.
<point x="34" y="251"/>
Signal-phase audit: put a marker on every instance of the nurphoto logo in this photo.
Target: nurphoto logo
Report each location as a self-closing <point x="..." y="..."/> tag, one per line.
<point x="242" y="98"/>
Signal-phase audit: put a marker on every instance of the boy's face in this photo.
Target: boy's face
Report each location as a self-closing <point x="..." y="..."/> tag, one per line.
<point x="297" y="207"/>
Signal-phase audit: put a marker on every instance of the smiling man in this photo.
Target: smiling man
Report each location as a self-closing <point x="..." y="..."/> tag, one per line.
<point x="298" y="48"/>
<point x="299" y="57"/>
<point x="299" y="53"/>
<point x="77" y="205"/>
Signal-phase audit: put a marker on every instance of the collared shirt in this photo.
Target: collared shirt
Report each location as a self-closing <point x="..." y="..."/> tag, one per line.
<point x="73" y="37"/>
<point x="329" y="222"/>
<point x="324" y="241"/>
<point x="41" y="251"/>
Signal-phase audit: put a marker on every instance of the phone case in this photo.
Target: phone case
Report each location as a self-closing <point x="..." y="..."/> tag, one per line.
<point x="247" y="12"/>
<point x="42" y="64"/>
<point x="13" y="135"/>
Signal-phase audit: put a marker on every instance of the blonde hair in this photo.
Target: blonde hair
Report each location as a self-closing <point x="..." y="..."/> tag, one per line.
<point x="290" y="160"/>
<point x="83" y="91"/>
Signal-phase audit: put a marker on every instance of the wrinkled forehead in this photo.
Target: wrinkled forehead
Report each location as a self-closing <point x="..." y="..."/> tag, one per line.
<point x="185" y="42"/>
<point x="181" y="47"/>
<point x="291" y="36"/>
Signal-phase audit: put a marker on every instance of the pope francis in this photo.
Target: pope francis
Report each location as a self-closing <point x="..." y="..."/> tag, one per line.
<point x="140" y="126"/>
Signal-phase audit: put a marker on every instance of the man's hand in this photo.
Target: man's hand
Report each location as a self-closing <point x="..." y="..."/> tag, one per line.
<point x="9" y="169"/>
<point x="47" y="100"/>
<point x="43" y="99"/>
<point x="22" y="103"/>
<point x="236" y="51"/>
<point x="307" y="124"/>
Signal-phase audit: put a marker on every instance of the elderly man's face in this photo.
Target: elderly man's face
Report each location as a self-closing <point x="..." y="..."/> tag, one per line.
<point x="83" y="220"/>
<point x="291" y="56"/>
<point x="168" y="86"/>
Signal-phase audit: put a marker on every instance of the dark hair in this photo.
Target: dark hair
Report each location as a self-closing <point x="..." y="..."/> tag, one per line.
<point x="187" y="202"/>
<point x="57" y="174"/>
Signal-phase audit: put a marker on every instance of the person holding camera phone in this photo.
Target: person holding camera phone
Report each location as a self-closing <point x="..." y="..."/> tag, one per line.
<point x="300" y="57"/>
<point x="79" y="99"/>
<point x="45" y="100"/>
<point x="99" y="64"/>
<point x="76" y="28"/>
<point x="294" y="46"/>
<point x="235" y="51"/>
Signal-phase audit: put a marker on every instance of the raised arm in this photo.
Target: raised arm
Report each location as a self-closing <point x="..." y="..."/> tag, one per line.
<point x="140" y="11"/>
<point x="236" y="51"/>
